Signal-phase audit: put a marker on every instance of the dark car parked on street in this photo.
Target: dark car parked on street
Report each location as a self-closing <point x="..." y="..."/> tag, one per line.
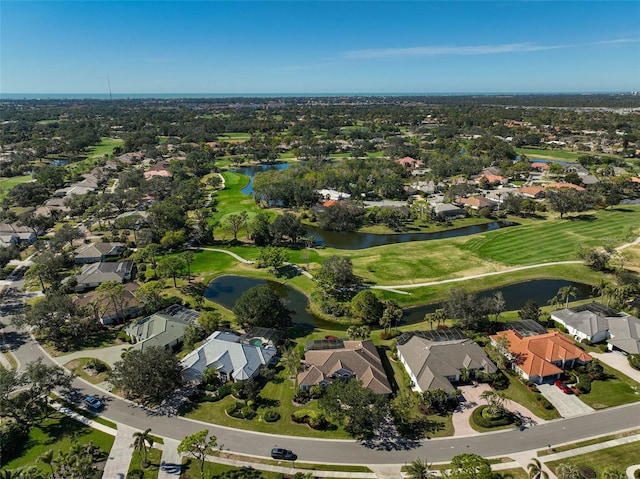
<point x="279" y="453"/>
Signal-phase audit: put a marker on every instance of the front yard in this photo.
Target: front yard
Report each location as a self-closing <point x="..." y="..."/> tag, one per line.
<point x="617" y="389"/>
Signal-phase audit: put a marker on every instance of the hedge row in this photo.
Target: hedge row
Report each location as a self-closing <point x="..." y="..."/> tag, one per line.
<point x="479" y="419"/>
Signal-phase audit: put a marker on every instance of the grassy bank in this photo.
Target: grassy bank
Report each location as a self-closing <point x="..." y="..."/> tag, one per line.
<point x="7" y="184"/>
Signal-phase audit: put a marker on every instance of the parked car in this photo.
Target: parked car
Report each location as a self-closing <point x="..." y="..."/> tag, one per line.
<point x="560" y="385"/>
<point x="93" y="403"/>
<point x="279" y="453"/>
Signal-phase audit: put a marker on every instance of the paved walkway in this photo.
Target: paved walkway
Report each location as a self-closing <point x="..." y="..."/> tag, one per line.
<point x="631" y="471"/>
<point x="217" y="250"/>
<point x="119" y="459"/>
<point x="170" y="457"/>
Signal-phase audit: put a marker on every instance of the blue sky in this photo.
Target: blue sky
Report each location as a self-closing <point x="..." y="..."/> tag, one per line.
<point x="319" y="47"/>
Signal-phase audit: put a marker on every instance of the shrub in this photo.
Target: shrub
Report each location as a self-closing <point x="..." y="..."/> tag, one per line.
<point x="634" y="361"/>
<point x="584" y="383"/>
<point x="481" y="418"/>
<point x="97" y="365"/>
<point x="247" y="412"/>
<point x="135" y="474"/>
<point x="271" y="416"/>
<point x="544" y="402"/>
<point x="603" y="348"/>
<point x="302" y="396"/>
<point x="586" y="342"/>
<point x="314" y="419"/>
<point x="389" y="334"/>
<point x="12" y="438"/>
<point x="223" y="391"/>
<point x="124" y="337"/>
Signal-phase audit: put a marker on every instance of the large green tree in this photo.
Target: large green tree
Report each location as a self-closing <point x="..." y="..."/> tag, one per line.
<point x="335" y="276"/>
<point x="469" y="466"/>
<point x="148" y="376"/>
<point x="366" y="307"/>
<point x="358" y="408"/>
<point x="260" y="306"/>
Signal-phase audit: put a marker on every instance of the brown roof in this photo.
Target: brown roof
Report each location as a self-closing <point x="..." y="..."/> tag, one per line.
<point x="541" y="351"/>
<point x="359" y="357"/>
<point x="565" y="185"/>
<point x="533" y="191"/>
<point x="491" y="178"/>
<point x="475" y="202"/>
<point x="540" y="166"/>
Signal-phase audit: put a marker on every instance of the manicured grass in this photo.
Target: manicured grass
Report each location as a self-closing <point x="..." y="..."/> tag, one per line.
<point x="83" y="412"/>
<point x="11" y="359"/>
<point x="575" y="445"/>
<point x="6" y="184"/>
<point x="212" y="470"/>
<point x="619" y="457"/>
<point x="556" y="240"/>
<point x="299" y="465"/>
<point x="94" y="154"/>
<point x="561" y="155"/>
<point x="515" y="473"/>
<point x="77" y="366"/>
<point x="517" y="392"/>
<point x="154" y="456"/>
<point x="58" y="433"/>
<point x="276" y="395"/>
<point x="620" y="389"/>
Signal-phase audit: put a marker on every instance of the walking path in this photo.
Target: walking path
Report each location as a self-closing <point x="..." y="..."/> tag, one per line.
<point x="217" y="250"/>
<point x="119" y="459"/>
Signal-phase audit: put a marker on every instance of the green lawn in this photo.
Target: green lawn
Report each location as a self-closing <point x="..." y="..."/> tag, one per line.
<point x="561" y="155"/>
<point x="619" y="457"/>
<point x="519" y="393"/>
<point x="94" y="154"/>
<point x="191" y="467"/>
<point x="58" y="433"/>
<point x="77" y="366"/>
<point x="620" y="389"/>
<point x="276" y="395"/>
<point x="6" y="184"/>
<point x="555" y="239"/>
<point x="154" y="456"/>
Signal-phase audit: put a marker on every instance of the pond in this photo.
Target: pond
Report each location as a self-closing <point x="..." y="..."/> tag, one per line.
<point x="353" y="240"/>
<point x="225" y="291"/>
<point x="251" y="171"/>
<point x="515" y="296"/>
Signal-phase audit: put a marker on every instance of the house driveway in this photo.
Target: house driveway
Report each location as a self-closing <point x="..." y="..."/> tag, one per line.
<point x="472" y="400"/>
<point x="568" y="405"/>
<point x="109" y="355"/>
<point x="618" y="361"/>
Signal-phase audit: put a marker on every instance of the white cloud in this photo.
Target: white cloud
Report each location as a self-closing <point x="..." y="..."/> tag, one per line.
<point x="425" y="51"/>
<point x="429" y="51"/>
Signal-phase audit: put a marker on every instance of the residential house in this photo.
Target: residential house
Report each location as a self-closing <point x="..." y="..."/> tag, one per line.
<point x="328" y="194"/>
<point x="409" y="162"/>
<point x="449" y="211"/>
<point x="476" y="202"/>
<point x="233" y="359"/>
<point x="597" y="322"/>
<point x="15" y="233"/>
<point x="344" y="361"/>
<point x="588" y="322"/>
<point x="564" y="185"/>
<point x="93" y="275"/>
<point x="541" y="358"/>
<point x="540" y="166"/>
<point x="163" y="329"/>
<point x="97" y="252"/>
<point x="105" y="311"/>
<point x="491" y="179"/>
<point x="535" y="192"/>
<point x="435" y="362"/>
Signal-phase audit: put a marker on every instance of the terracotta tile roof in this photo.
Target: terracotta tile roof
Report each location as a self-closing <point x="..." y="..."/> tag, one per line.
<point x="532" y="191"/>
<point x="539" y="352"/>
<point x="329" y="203"/>
<point x="475" y="202"/>
<point x="491" y="178"/>
<point x="409" y="162"/>
<point x="564" y="185"/>
<point x="540" y="165"/>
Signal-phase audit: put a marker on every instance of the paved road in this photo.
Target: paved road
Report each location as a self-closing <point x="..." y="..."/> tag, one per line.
<point x="352" y="452"/>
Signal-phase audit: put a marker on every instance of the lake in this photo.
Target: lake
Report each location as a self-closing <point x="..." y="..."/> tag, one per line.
<point x="251" y="171"/>
<point x="225" y="291"/>
<point x="351" y="240"/>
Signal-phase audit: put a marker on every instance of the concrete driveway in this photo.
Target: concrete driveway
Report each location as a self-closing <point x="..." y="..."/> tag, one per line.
<point x="618" y="361"/>
<point x="568" y="405"/>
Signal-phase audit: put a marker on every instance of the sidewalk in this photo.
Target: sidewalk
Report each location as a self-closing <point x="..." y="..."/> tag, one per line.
<point x="117" y="464"/>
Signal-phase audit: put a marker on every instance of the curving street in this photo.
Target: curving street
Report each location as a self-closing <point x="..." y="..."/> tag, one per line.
<point x="348" y="451"/>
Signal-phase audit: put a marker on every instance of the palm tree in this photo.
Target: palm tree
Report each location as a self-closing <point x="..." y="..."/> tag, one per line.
<point x="535" y="470"/>
<point x="291" y="361"/>
<point x="495" y="401"/>
<point x="11" y="474"/>
<point x="142" y="440"/>
<point x="419" y="469"/>
<point x="567" y="292"/>
<point x="600" y="288"/>
<point x="568" y="471"/>
<point x="47" y="458"/>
